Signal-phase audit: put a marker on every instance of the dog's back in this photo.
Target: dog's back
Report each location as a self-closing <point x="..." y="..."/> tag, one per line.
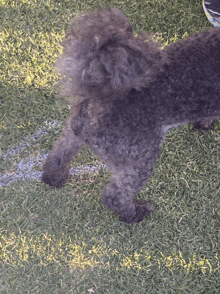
<point x="189" y="88"/>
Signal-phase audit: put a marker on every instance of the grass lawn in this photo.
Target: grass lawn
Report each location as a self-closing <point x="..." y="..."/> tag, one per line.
<point x="63" y="241"/>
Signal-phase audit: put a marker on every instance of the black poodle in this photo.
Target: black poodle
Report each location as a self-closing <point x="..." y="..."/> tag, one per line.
<point x="129" y="92"/>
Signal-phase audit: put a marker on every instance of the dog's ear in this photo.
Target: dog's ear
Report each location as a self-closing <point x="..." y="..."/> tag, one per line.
<point x="102" y="57"/>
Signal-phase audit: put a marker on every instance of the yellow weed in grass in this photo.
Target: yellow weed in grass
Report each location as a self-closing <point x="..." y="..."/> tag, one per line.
<point x="171" y="262"/>
<point x="45" y="249"/>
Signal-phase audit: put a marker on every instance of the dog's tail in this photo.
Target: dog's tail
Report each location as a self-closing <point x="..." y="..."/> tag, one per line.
<point x="102" y="58"/>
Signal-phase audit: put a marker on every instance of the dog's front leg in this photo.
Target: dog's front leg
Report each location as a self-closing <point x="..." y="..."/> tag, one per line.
<point x="127" y="181"/>
<point x="56" y="167"/>
<point x="118" y="196"/>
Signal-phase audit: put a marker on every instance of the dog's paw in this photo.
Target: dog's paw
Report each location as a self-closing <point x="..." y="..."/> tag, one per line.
<point x="55" y="179"/>
<point x="141" y="209"/>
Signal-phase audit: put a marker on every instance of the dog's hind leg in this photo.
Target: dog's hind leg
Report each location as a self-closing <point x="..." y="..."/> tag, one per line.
<point x="56" y="167"/>
<point x="127" y="181"/>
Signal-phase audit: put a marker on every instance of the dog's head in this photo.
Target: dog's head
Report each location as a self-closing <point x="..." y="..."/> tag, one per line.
<point x="102" y="56"/>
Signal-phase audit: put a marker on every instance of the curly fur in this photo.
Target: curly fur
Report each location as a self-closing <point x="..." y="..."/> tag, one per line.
<point x="102" y="56"/>
<point x="132" y="92"/>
